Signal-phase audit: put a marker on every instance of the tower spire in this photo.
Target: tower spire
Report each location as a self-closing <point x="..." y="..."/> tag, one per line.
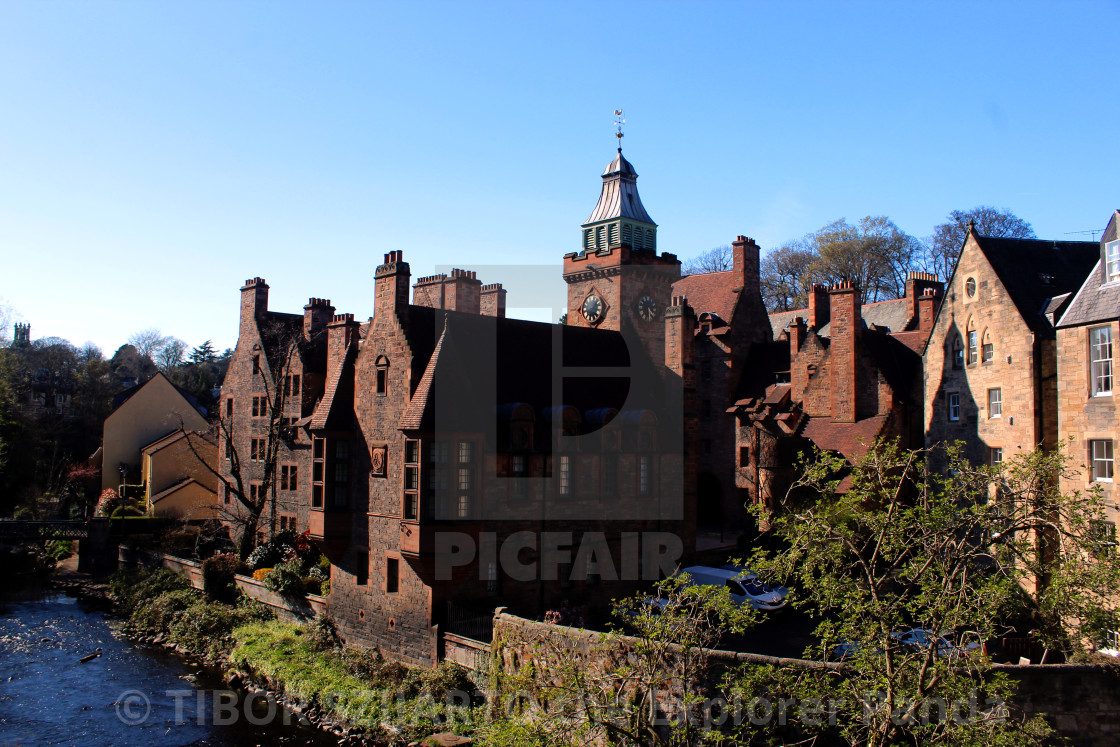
<point x="618" y="122"/>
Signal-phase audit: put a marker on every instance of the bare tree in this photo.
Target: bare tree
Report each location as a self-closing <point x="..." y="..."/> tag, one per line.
<point x="148" y="342"/>
<point x="944" y="246"/>
<point x="786" y="274"/>
<point x="252" y="448"/>
<point x="171" y="354"/>
<point x="718" y="259"/>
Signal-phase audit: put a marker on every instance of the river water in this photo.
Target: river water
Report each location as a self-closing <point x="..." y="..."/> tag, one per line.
<point x="129" y="695"/>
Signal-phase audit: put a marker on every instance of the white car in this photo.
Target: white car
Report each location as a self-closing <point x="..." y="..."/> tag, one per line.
<point x="744" y="589"/>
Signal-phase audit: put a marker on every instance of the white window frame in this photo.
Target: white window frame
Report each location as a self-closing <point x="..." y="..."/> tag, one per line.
<point x="954" y="406"/>
<point x="1100" y="361"/>
<point x="995" y="456"/>
<point x="995" y="402"/>
<point x="1103" y="459"/>
<point x="1112" y="261"/>
<point x="973" y="347"/>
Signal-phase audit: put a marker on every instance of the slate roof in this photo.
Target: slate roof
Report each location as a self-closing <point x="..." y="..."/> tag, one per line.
<point x="1034" y="271"/>
<point x="164" y="441"/>
<point x="892" y="316"/>
<point x="714" y="292"/>
<point x="1096" y="301"/>
<point x="127" y="394"/>
<point x="619" y="198"/>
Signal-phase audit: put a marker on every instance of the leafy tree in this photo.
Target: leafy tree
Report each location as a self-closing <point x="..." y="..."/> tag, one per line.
<point x="962" y="552"/>
<point x="204" y="353"/>
<point x="945" y="244"/>
<point x="786" y="276"/>
<point x="875" y="254"/>
<point x="718" y="259"/>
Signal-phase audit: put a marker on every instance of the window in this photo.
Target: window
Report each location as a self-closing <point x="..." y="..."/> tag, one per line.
<point x="493" y="580"/>
<point x="257" y="450"/>
<point x="995" y="456"/>
<point x="987" y="350"/>
<point x="341" y="449"/>
<point x="392" y="575"/>
<point x="1102" y="535"/>
<point x="225" y="493"/>
<point x="256" y="364"/>
<point x="744" y="456"/>
<point x="643" y="475"/>
<point x="464" y="452"/>
<point x="229" y="408"/>
<point x="995" y="403"/>
<point x="464" y="507"/>
<point x="705" y="409"/>
<point x="1112" y="258"/>
<point x="229" y="448"/>
<point x="972" y="346"/>
<point x="519" y="467"/>
<point x="958" y="352"/>
<point x="411" y="478"/>
<point x="954" y="406"/>
<point x="565" y="475"/>
<point x="970" y="287"/>
<point x="288" y="477"/>
<point x="382" y="380"/>
<point x="260" y="406"/>
<point x="1101" y="454"/>
<point x="340" y="472"/>
<point x="465" y="478"/>
<point x="438" y="453"/>
<point x="361" y="572"/>
<point x="411" y="451"/>
<point x="610" y="474"/>
<point x="1100" y="357"/>
<point x="255" y="492"/>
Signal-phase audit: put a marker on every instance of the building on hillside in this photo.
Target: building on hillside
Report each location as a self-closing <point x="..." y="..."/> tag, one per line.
<point x="141" y="416"/>
<point x="990" y="364"/>
<point x="1088" y="420"/>
<point x="178" y="473"/>
<point x="836" y="375"/>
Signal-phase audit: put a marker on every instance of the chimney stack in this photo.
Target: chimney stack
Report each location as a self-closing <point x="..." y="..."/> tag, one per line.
<point x="342" y="332"/>
<point x="818" y="307"/>
<point x="844" y="309"/>
<point x="391" y="285"/>
<point x="798" y="374"/>
<point x="316" y="315"/>
<point x="919" y="284"/>
<point x="254" y="302"/>
<point x="493" y="300"/>
<point x="744" y="262"/>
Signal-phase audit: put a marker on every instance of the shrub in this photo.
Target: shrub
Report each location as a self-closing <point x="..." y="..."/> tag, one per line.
<point x="260" y="573"/>
<point x="133" y="587"/>
<point x="217" y="576"/>
<point x="156" y="614"/>
<point x="286" y="579"/>
<point x="322" y="635"/>
<point x="181" y="543"/>
<point x="60" y="549"/>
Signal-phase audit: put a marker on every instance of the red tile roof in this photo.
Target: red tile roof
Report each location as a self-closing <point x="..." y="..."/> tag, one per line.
<point x="714" y="292"/>
<point x="850" y="439"/>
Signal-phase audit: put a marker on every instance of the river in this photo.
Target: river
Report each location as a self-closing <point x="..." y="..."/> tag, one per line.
<point x="129" y="695"/>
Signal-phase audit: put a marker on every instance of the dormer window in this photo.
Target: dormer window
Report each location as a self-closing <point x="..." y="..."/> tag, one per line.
<point x="1112" y="261"/>
<point x="970" y="287"/>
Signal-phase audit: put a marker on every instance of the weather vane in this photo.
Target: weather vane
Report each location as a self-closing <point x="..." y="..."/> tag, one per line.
<point x="618" y="122"/>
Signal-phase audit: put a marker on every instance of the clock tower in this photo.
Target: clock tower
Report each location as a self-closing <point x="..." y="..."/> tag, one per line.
<point x="617" y="280"/>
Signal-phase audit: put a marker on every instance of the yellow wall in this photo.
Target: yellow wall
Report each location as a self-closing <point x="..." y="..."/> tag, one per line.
<point x="191" y="501"/>
<point x="156" y="410"/>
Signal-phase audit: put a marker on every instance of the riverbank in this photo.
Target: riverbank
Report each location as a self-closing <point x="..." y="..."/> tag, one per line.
<point x="350" y="694"/>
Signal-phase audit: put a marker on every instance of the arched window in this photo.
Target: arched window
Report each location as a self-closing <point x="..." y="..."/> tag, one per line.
<point x="382" y="375"/>
<point x="987" y="350"/>
<point x="973" y="343"/>
<point x="958" y="352"/>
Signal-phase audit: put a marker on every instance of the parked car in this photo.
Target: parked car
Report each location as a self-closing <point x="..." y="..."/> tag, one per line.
<point x="916" y="639"/>
<point x="743" y="590"/>
<point x="746" y="574"/>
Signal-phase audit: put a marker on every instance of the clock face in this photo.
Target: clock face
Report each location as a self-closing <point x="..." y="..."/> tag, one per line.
<point x="647" y="308"/>
<point x="592" y="308"/>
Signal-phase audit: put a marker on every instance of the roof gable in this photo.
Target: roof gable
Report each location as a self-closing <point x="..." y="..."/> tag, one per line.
<point x="712" y="292"/>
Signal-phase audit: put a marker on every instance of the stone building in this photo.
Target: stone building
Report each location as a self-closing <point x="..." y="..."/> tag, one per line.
<point x="276" y="376"/>
<point x="836" y="375"/>
<point x="1088" y="422"/>
<point x="990" y="364"/>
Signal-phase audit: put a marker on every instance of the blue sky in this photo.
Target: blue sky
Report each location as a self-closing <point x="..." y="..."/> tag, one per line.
<point x="154" y="155"/>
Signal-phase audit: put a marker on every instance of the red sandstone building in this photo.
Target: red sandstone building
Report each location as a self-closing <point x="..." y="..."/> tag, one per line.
<point x="449" y="459"/>
<point x="837" y="375"/>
